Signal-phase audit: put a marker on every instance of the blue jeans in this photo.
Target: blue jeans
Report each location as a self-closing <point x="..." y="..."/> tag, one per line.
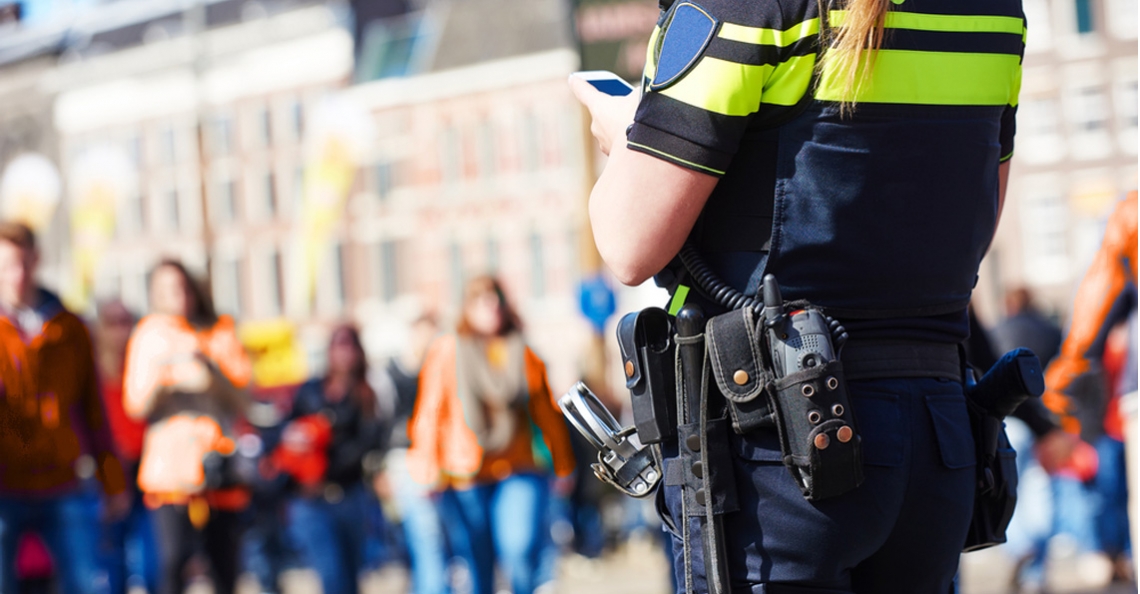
<point x="423" y="532"/>
<point x="132" y="555"/>
<point x="331" y="537"/>
<point x="69" y="529"/>
<point x="505" y="519"/>
<point x="1111" y="486"/>
<point x="901" y="531"/>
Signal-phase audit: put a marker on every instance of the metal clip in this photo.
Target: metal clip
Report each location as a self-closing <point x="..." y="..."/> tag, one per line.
<point x="623" y="461"/>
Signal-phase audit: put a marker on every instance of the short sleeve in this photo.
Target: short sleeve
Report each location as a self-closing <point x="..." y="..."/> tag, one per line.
<point x="711" y="67"/>
<point x="1009" y="116"/>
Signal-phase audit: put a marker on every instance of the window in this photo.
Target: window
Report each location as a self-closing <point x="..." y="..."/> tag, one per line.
<point x="298" y="188"/>
<point x="270" y="194"/>
<point x="222" y="135"/>
<point x="264" y="127"/>
<point x="173" y="210"/>
<point x="1126" y="104"/>
<point x="492" y="255"/>
<point x="133" y="148"/>
<point x="225" y="201"/>
<point x="1126" y="114"/>
<point x="274" y="285"/>
<point x="389" y="253"/>
<point x="1090" y="110"/>
<point x="451" y="155"/>
<point x="382" y="179"/>
<point x="456" y="257"/>
<point x="1084" y="16"/>
<point x="486" y="148"/>
<point x="227" y="285"/>
<point x="1039" y="137"/>
<point x="537" y="267"/>
<point x="1087" y="111"/>
<point x="297" y="116"/>
<point x="389" y="48"/>
<point x="167" y="147"/>
<point x="530" y="142"/>
<point x="131" y="215"/>
<point x="339" y="290"/>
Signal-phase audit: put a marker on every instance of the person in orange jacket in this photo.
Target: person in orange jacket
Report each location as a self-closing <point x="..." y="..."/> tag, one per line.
<point x="1102" y="301"/>
<point x="53" y="429"/>
<point x="185" y="374"/>
<point x="1105" y="298"/>
<point x="487" y="433"/>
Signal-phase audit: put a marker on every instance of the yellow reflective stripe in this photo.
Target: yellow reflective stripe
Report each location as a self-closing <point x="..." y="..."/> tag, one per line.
<point x="651" y="55"/>
<point x="721" y="86"/>
<point x="1016" y="91"/>
<point x="678" y="300"/>
<point x="789" y="82"/>
<point x="675" y="158"/>
<point x="759" y="36"/>
<point x="932" y="78"/>
<point x="943" y="22"/>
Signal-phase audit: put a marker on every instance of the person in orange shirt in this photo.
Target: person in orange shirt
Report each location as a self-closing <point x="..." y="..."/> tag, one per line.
<point x="186" y="373"/>
<point x="1105" y="298"/>
<point x="53" y="431"/>
<point x="487" y="433"/>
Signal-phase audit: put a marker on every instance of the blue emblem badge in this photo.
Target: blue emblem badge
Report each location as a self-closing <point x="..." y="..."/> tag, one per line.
<point x="684" y="39"/>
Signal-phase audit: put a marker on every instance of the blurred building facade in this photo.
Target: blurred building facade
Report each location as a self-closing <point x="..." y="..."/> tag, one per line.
<point x="475" y="158"/>
<point x="478" y="167"/>
<point x="1076" y="151"/>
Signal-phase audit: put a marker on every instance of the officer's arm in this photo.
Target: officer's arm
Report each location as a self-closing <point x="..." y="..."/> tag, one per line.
<point x="642" y="207"/>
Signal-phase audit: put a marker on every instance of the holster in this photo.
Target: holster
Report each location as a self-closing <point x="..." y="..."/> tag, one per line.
<point x="648" y="359"/>
<point x="1016" y="377"/>
<point x="810" y="410"/>
<point x="996" y="495"/>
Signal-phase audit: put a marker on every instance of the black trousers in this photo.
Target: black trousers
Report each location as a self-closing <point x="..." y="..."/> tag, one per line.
<point x="178" y="540"/>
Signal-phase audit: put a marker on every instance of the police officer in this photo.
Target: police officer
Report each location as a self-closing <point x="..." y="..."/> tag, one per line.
<point x="859" y="153"/>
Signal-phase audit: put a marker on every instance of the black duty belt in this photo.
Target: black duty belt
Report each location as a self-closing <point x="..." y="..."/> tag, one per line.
<point x="879" y="360"/>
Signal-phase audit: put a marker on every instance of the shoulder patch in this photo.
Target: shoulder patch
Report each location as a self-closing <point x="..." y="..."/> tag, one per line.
<point x="683" y="42"/>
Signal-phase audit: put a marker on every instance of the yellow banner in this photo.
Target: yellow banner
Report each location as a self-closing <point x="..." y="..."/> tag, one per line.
<point x="277" y="361"/>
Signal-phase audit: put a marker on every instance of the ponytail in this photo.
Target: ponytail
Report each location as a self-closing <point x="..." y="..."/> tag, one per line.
<point x="850" y="49"/>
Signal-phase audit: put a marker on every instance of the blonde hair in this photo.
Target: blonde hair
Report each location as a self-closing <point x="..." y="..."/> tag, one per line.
<point x="851" y="48"/>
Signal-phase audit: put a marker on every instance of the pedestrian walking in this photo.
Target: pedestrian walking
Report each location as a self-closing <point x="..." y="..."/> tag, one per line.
<point x="53" y="429"/>
<point x="186" y="374"/>
<point x="397" y="385"/>
<point x="333" y="427"/>
<point x="486" y="433"/>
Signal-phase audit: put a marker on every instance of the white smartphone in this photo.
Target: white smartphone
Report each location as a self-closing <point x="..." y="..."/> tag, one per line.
<point x="606" y="82"/>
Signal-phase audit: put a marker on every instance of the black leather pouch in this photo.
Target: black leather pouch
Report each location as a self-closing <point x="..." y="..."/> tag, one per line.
<point x="649" y="365"/>
<point x="817" y="431"/>
<point x="736" y="354"/>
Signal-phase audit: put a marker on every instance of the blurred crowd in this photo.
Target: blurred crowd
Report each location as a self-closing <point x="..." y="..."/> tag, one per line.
<point x="140" y="454"/>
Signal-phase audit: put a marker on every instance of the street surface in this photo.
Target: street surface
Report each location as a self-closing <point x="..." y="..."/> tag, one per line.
<point x="640" y="568"/>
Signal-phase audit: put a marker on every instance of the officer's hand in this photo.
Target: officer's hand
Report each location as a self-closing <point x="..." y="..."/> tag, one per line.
<point x="611" y="115"/>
